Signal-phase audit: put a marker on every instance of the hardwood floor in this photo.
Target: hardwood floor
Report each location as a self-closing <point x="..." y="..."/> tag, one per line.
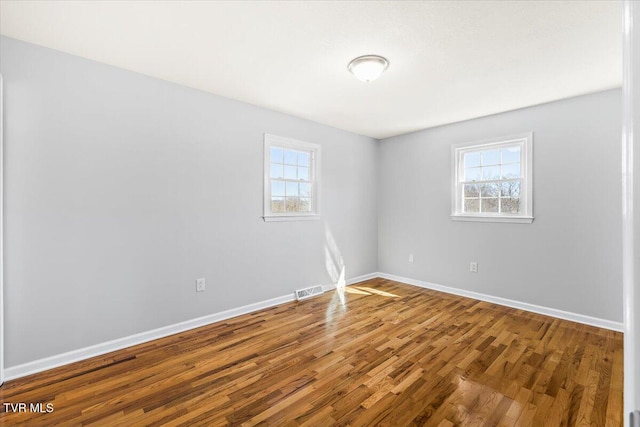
<point x="390" y="354"/>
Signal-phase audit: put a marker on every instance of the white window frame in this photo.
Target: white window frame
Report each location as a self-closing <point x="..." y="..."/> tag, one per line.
<point x="314" y="175"/>
<point x="525" y="141"/>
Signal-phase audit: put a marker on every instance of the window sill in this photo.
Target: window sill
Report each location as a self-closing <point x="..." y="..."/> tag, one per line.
<point x="478" y="218"/>
<point x="282" y="218"/>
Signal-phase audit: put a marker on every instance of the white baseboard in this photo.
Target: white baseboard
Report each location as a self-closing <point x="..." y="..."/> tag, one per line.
<point x="352" y="281"/>
<point x="547" y="311"/>
<point x="51" y="362"/>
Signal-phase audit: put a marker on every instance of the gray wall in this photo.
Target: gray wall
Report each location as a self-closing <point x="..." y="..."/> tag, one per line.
<point x="121" y="190"/>
<point x="569" y="258"/>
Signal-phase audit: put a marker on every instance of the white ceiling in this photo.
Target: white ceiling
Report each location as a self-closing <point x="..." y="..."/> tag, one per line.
<point x="449" y="61"/>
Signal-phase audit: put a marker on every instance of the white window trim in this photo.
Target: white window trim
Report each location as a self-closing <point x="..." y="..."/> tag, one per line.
<point x="276" y="140"/>
<point x="526" y="192"/>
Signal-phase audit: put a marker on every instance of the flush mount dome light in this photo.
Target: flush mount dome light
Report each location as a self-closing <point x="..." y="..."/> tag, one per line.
<point x="368" y="67"/>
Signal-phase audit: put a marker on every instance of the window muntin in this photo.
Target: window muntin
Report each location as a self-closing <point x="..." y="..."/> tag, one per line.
<point x="492" y="180"/>
<point x="291" y="179"/>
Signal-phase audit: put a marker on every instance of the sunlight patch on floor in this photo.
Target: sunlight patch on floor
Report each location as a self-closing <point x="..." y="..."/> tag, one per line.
<point x="354" y="290"/>
<point x="364" y="290"/>
<point x="376" y="291"/>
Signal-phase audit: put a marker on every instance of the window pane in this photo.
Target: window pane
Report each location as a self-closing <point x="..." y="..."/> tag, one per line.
<point x="277" y="204"/>
<point x="304" y="205"/>
<point x="489" y="190"/>
<point x="490" y="157"/>
<point x="471" y="205"/>
<point x="303" y="159"/>
<point x="490" y="172"/>
<point x="472" y="174"/>
<point x="290" y="172"/>
<point x="305" y="190"/>
<point x="277" y="188"/>
<point x="510" y="189"/>
<point x="292" y="204"/>
<point x="511" y="155"/>
<point x="471" y="190"/>
<point x="509" y="205"/>
<point x="290" y="157"/>
<point x="291" y="177"/>
<point x="472" y="159"/>
<point x="292" y="189"/>
<point x="276" y="170"/>
<point x="491" y="180"/>
<point x="303" y="174"/>
<point x="511" y="171"/>
<point x="489" y="205"/>
<point x="277" y="154"/>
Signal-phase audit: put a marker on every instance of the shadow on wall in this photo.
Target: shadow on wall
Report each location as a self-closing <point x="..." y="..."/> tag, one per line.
<point x="334" y="263"/>
<point x="333" y="260"/>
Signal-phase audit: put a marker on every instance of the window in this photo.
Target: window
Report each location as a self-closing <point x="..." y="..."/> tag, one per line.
<point x="291" y="179"/>
<point x="492" y="180"/>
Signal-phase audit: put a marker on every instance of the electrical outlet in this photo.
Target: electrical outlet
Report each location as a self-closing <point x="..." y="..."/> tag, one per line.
<point x="473" y="267"/>
<point x="200" y="285"/>
<point x="410" y="257"/>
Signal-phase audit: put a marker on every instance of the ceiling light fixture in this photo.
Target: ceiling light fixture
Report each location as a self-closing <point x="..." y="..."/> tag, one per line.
<point x="368" y="67"/>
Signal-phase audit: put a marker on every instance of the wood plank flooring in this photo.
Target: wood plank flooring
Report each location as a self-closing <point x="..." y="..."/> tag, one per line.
<point x="385" y="354"/>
